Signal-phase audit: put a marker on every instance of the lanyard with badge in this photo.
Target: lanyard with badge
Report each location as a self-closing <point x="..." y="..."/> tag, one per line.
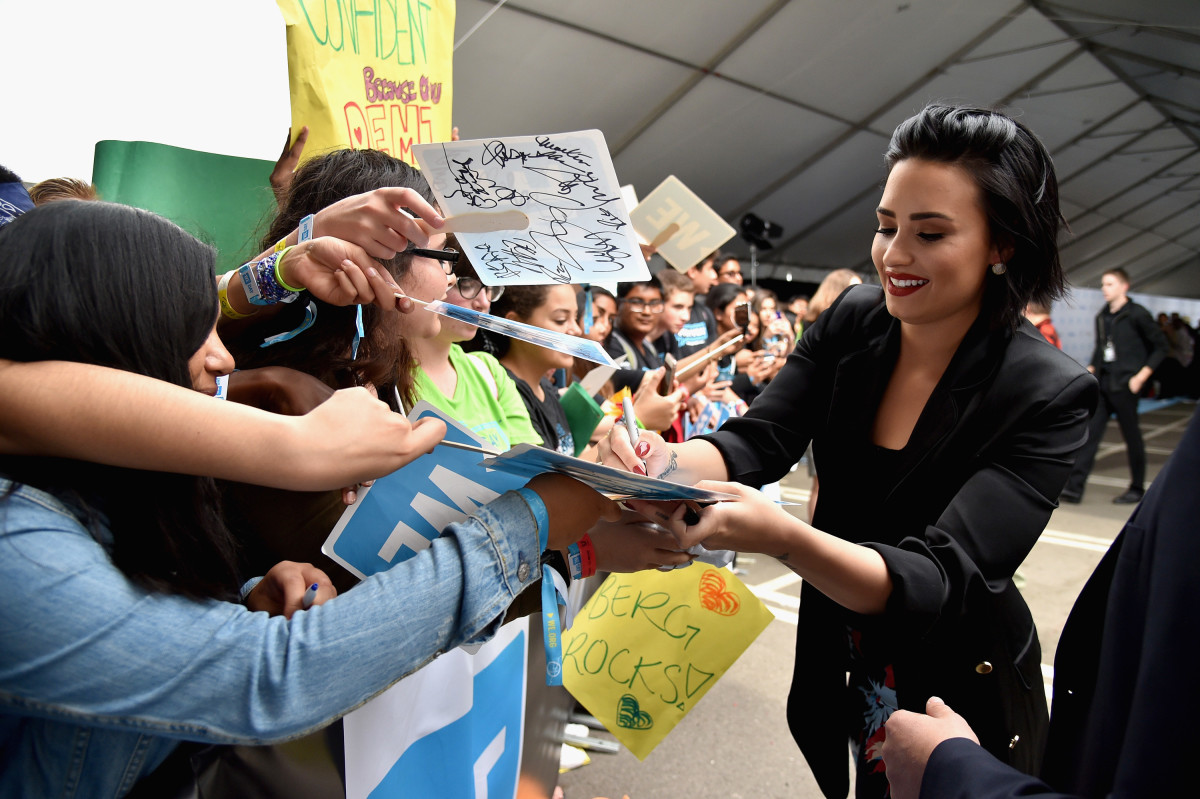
<point x="1110" y="350"/>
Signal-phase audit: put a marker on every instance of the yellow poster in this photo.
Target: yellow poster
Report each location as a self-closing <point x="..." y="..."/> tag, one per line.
<point x="370" y="74"/>
<point x="647" y="646"/>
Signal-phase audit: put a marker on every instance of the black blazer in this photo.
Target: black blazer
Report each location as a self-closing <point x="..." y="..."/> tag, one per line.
<point x="966" y="501"/>
<point x="1138" y="340"/>
<point x="1125" y="709"/>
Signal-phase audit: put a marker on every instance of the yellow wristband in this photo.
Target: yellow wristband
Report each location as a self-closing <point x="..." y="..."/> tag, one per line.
<point x="227" y="309"/>
<point x="281" y="244"/>
<point x="279" y="272"/>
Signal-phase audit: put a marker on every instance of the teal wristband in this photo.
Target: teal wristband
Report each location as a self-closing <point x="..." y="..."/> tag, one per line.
<point x="540" y="516"/>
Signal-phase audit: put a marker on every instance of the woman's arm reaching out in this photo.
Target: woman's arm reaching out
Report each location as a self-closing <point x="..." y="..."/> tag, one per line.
<point x="73" y="410"/>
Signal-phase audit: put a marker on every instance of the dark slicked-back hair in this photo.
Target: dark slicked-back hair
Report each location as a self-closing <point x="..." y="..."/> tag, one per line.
<point x="323" y="350"/>
<point x="114" y="286"/>
<point x="1019" y="191"/>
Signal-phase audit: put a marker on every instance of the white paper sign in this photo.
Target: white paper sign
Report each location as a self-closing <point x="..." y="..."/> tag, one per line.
<point x="529" y="460"/>
<point x="692" y="229"/>
<point x="579" y="230"/>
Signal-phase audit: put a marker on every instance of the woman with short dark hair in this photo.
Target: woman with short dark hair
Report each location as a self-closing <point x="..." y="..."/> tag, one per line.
<point x="944" y="433"/>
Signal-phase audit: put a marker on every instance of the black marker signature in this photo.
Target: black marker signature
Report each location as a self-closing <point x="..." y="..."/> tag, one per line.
<point x="479" y="191"/>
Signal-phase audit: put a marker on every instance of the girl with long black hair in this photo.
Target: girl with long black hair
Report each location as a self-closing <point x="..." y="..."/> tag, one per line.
<point x="121" y="639"/>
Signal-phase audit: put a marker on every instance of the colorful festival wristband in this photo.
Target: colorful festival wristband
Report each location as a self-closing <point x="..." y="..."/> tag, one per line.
<point x="279" y="272"/>
<point x="227" y="309"/>
<point x="587" y="553"/>
<point x="575" y="561"/>
<point x="258" y="278"/>
<point x="541" y="516"/>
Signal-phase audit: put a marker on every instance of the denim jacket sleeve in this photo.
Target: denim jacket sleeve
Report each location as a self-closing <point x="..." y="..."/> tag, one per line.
<point x="81" y="643"/>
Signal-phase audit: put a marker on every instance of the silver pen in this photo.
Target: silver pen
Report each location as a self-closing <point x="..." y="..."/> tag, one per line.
<point x="631" y="427"/>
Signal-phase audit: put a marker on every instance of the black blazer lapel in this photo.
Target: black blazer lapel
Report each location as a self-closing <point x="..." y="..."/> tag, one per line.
<point x="975" y="361"/>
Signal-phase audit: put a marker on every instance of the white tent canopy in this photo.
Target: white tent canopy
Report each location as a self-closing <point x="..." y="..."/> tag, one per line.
<point x="783" y="108"/>
<point x="777" y="107"/>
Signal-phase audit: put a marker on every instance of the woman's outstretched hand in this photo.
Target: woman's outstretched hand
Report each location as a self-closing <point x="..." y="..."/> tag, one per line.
<point x="750" y="523"/>
<point x="651" y="456"/>
<point x="354" y="437"/>
<point x="374" y="221"/>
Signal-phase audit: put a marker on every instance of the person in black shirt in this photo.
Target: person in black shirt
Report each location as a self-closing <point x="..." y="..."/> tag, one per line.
<point x="943" y="430"/>
<point x="553" y="308"/>
<point x="1129" y="347"/>
<point x="638" y="308"/>
<point x="701" y="327"/>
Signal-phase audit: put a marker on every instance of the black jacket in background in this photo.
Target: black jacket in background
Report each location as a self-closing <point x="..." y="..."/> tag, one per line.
<point x="1139" y="342"/>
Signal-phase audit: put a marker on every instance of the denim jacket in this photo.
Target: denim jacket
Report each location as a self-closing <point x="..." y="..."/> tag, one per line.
<point x="100" y="678"/>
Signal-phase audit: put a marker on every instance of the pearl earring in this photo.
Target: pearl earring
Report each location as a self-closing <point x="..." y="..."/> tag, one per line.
<point x="999" y="269"/>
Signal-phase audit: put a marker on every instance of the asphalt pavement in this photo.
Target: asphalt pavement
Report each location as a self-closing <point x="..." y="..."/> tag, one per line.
<point x="736" y="743"/>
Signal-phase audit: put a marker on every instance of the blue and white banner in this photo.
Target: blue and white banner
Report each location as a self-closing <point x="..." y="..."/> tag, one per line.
<point x="401" y="513"/>
<point x="426" y="736"/>
<point x="452" y="729"/>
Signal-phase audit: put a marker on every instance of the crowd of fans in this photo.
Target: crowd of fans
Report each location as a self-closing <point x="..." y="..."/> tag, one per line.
<point x="136" y="509"/>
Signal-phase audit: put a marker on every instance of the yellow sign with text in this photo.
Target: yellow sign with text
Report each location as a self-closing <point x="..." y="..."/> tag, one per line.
<point x="370" y="74"/>
<point x="647" y="646"/>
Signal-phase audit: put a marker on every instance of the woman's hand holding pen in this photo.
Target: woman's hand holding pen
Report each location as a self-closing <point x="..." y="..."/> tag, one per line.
<point x="282" y="590"/>
<point x="651" y="457"/>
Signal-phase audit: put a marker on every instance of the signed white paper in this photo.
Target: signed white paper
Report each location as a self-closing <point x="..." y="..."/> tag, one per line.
<point x="530" y="460"/>
<point x="579" y="229"/>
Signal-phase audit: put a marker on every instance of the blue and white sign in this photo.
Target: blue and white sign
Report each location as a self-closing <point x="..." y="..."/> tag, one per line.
<point x="401" y="513"/>
<point x="452" y="729"/>
<point x="426" y="736"/>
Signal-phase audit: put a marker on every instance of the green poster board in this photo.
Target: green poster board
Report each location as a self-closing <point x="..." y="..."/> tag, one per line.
<point x="222" y="200"/>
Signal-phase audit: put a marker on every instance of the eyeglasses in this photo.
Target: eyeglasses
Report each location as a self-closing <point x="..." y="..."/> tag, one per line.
<point x="468" y="288"/>
<point x="642" y="306"/>
<point x="446" y="258"/>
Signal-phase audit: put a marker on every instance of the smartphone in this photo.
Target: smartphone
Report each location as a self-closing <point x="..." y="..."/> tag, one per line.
<point x="741" y="315"/>
<point x="664" y="388"/>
